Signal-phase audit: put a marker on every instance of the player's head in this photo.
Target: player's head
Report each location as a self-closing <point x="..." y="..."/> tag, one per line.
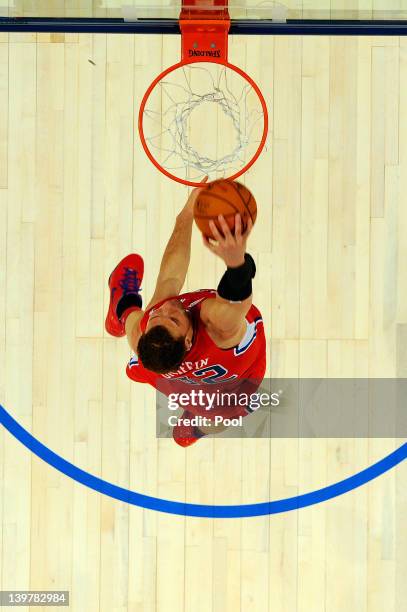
<point x="167" y="338"/>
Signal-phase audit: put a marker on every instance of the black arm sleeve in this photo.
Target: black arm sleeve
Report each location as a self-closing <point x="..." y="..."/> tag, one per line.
<point x="236" y="284"/>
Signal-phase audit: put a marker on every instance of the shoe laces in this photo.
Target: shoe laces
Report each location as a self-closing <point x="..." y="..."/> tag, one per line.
<point x="130" y="282"/>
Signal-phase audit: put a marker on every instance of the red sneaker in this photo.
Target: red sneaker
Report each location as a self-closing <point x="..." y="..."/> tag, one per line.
<point x="185" y="435"/>
<point x="124" y="280"/>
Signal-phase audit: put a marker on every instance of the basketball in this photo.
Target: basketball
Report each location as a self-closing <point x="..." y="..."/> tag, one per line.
<point x="225" y="198"/>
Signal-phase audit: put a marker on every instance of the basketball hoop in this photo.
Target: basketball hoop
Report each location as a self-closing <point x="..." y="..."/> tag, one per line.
<point x="201" y="89"/>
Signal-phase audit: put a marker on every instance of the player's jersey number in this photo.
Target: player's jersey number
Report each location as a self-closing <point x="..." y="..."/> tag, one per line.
<point x="215" y="376"/>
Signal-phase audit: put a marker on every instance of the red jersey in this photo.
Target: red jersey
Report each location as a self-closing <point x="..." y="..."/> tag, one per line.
<point x="205" y="363"/>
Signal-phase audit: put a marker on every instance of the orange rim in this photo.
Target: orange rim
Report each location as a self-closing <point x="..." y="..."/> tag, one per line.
<point x="175" y="67"/>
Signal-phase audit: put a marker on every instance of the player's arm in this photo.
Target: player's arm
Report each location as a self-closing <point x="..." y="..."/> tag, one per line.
<point x="177" y="255"/>
<point x="174" y="266"/>
<point x="173" y="269"/>
<point x="226" y="313"/>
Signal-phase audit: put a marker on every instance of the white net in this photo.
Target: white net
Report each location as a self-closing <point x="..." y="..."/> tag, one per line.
<point x="203" y="119"/>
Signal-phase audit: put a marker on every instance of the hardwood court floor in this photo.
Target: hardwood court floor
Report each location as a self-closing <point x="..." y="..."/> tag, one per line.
<point x="76" y="195"/>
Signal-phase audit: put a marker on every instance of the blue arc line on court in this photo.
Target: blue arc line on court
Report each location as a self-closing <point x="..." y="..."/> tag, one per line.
<point x="199" y="510"/>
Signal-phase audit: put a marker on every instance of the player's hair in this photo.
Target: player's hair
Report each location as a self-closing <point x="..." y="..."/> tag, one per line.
<point x="159" y="351"/>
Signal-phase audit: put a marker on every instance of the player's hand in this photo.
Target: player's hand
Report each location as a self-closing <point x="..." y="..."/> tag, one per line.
<point x="229" y="247"/>
<point x="189" y="206"/>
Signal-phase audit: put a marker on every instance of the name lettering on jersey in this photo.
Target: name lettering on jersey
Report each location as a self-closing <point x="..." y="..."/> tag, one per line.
<point x="187" y="366"/>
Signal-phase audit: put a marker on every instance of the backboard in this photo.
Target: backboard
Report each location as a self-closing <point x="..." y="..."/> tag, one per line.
<point x="240" y="10"/>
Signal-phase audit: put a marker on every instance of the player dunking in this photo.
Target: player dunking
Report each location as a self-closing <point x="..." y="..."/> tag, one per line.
<point x="204" y="336"/>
